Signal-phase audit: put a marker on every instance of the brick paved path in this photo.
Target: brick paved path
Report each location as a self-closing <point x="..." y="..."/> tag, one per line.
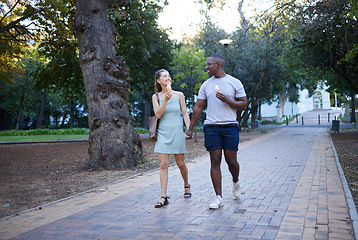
<point x="290" y="187"/>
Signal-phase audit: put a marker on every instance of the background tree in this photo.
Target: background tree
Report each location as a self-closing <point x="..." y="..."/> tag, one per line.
<point x="19" y="100"/>
<point x="48" y="26"/>
<point x="14" y="36"/>
<point x="145" y="47"/>
<point x="113" y="140"/>
<point x="328" y="35"/>
<point x="188" y="67"/>
<point x="60" y="73"/>
<point x="286" y="73"/>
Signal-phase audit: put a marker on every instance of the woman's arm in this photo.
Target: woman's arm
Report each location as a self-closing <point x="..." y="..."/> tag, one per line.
<point x="184" y="110"/>
<point x="159" y="110"/>
<point x="198" y="108"/>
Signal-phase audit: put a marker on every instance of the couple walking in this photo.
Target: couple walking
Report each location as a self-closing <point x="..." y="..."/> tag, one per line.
<point x="224" y="95"/>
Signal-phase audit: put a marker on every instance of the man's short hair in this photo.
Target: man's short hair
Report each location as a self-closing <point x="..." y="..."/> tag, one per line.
<point x="218" y="57"/>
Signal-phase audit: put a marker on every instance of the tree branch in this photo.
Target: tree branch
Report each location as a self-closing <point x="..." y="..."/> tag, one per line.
<point x="13" y="25"/>
<point x="9" y="11"/>
<point x="244" y="22"/>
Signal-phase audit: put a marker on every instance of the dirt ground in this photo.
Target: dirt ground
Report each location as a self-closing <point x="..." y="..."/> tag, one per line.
<point x="35" y="174"/>
<point x="346" y="144"/>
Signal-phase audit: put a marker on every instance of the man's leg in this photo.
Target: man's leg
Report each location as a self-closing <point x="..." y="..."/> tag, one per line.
<point x="215" y="170"/>
<point x="234" y="166"/>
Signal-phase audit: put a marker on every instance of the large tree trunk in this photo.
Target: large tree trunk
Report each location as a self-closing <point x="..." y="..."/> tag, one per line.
<point x="114" y="143"/>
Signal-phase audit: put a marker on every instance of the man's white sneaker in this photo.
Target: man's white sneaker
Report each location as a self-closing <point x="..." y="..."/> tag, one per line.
<point x="236" y="189"/>
<point x="216" y="202"/>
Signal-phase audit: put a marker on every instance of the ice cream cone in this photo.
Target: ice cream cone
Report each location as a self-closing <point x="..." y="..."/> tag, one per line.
<point x="217" y="89"/>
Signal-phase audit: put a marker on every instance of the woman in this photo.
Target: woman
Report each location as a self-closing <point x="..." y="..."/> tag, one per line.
<point x="169" y="107"/>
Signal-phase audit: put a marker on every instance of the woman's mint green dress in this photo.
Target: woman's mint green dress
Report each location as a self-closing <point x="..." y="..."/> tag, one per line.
<point x="170" y="137"/>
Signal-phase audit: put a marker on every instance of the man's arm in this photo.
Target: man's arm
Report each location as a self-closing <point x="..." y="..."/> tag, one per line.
<point x="198" y="108"/>
<point x="238" y="103"/>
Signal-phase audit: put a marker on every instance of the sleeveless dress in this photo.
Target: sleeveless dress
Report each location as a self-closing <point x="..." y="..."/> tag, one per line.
<point x="170" y="137"/>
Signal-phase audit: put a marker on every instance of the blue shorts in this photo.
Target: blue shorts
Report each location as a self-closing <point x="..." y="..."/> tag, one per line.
<point x="221" y="137"/>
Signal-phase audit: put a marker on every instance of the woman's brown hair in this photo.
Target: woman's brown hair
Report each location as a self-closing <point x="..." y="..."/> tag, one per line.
<point x="157" y="75"/>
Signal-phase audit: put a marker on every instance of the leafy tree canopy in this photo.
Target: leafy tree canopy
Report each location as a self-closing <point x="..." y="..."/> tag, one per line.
<point x="188" y="65"/>
<point x="14" y="36"/>
<point x="328" y="38"/>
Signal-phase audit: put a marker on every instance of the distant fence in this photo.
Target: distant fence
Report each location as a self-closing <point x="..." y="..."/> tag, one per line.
<point x="313" y="119"/>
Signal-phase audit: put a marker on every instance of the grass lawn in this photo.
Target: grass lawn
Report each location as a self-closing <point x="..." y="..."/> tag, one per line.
<point x="37" y="138"/>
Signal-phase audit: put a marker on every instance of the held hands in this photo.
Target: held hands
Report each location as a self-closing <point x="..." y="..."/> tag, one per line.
<point x="189" y="134"/>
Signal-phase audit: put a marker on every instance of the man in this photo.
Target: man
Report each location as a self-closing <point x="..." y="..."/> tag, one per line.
<point x="224" y="95"/>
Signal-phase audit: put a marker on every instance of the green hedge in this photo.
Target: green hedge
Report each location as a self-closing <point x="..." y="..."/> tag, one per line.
<point x="66" y="131"/>
<point x="45" y="131"/>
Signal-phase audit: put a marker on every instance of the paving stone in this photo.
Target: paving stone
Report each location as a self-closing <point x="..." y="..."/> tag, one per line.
<point x="286" y="193"/>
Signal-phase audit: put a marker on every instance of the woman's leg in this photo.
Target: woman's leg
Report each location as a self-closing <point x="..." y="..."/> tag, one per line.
<point x="163" y="173"/>
<point x="179" y="158"/>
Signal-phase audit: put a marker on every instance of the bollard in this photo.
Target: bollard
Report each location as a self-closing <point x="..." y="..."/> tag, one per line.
<point x="286" y="120"/>
<point x="319" y="119"/>
<point x="335" y="126"/>
<point x="302" y="120"/>
<point x="296" y="118"/>
<point x="328" y="116"/>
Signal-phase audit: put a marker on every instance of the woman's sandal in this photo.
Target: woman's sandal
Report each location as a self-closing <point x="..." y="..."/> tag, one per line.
<point x="187" y="195"/>
<point x="161" y="204"/>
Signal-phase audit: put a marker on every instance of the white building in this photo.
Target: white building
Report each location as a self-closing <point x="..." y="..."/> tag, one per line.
<point x="320" y="100"/>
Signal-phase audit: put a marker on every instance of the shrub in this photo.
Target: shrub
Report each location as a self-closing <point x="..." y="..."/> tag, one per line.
<point x="45" y="131"/>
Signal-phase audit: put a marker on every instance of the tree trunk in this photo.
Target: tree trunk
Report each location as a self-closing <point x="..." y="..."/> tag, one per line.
<point x="19" y="114"/>
<point x="147" y="110"/>
<point x="253" y="118"/>
<point x="114" y="143"/>
<point x="353" y="115"/>
<point x="41" y="111"/>
<point x="63" y="120"/>
<point x="244" y="22"/>
<point x="72" y="115"/>
<point x="282" y="98"/>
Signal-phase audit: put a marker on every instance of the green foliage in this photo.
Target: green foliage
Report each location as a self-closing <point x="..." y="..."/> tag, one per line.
<point x="42" y="138"/>
<point x="66" y="131"/>
<point x="69" y="131"/>
<point x="142" y="43"/>
<point x="59" y="71"/>
<point x="188" y="66"/>
<point x="328" y="38"/>
<point x="20" y="94"/>
<point x="141" y="130"/>
<point x="13" y="38"/>
<point x="54" y="64"/>
<point x="144" y="46"/>
<point x="353" y="14"/>
<point x="208" y="39"/>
